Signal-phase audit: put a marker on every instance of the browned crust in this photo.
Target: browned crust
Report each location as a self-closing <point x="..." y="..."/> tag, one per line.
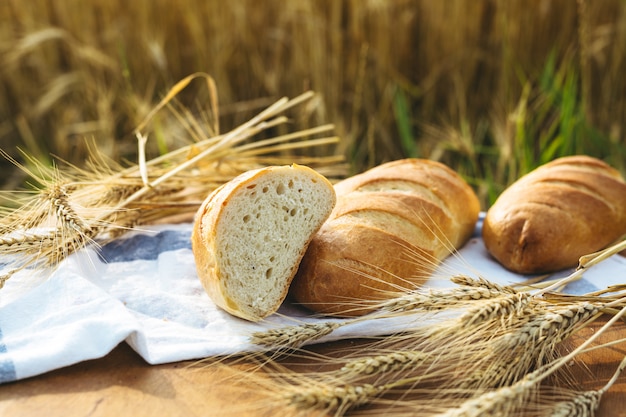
<point x="551" y="217"/>
<point x="418" y="218"/>
<point x="445" y="188"/>
<point x="356" y="258"/>
<point x="348" y="266"/>
<point x="203" y="240"/>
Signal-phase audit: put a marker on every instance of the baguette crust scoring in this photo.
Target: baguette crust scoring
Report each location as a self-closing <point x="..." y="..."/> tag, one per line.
<point x="391" y="227"/>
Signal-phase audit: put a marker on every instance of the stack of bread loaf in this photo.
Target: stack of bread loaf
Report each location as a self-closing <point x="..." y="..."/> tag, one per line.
<point x="340" y="250"/>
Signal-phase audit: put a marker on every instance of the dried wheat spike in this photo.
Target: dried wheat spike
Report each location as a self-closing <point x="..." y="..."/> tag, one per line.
<point x="552" y="325"/>
<point x="31" y="244"/>
<point x="293" y="336"/>
<point x="530" y="342"/>
<point x="69" y="243"/>
<point x="340" y="398"/>
<point x="59" y="198"/>
<point x="468" y="281"/>
<point x="585" y="403"/>
<point x="433" y="300"/>
<point x="393" y="361"/>
<point x="582" y="405"/>
<point x="499" y="308"/>
<point x="500" y="402"/>
<point x="27" y="241"/>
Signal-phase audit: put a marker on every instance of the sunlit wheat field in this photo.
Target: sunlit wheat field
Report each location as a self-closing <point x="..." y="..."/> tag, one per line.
<point x="491" y="88"/>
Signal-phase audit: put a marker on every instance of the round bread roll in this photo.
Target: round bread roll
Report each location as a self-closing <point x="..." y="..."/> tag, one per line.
<point x="250" y="234"/>
<point x="548" y="219"/>
<point x="391" y="227"/>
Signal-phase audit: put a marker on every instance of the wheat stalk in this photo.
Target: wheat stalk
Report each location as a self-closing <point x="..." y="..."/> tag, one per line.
<point x="439" y="299"/>
<point x="338" y="398"/>
<point x="585" y="262"/>
<point x="480" y="282"/>
<point x="530" y="342"/>
<point x="584" y="404"/>
<point x="102" y="200"/>
<point x="504" y="400"/>
<point x="291" y="337"/>
<point x="381" y="364"/>
<point x="404" y="304"/>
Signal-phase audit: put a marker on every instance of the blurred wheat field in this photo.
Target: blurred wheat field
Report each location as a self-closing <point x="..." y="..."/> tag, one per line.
<point x="492" y="88"/>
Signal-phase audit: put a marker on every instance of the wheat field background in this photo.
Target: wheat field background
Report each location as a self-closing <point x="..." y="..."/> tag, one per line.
<point x="492" y="88"/>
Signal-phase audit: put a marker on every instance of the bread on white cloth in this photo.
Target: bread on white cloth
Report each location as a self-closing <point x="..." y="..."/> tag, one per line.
<point x="390" y="228"/>
<point x="549" y="218"/>
<point x="250" y="234"/>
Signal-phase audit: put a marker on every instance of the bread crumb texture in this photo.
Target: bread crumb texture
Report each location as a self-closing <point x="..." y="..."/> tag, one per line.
<point x="262" y="232"/>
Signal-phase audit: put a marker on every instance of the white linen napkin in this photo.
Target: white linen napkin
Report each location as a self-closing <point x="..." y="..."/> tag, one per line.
<point x="142" y="289"/>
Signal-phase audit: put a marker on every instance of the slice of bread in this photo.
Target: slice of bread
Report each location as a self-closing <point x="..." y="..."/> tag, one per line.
<point x="251" y="233"/>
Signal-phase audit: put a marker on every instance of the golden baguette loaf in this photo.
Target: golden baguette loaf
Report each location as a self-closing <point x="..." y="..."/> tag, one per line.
<point x="250" y="234"/>
<point x="557" y="213"/>
<point x="390" y="228"/>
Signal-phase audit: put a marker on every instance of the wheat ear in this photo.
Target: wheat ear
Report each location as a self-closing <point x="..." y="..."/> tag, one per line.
<point x="440" y="299"/>
<point x="584" y="404"/>
<point x="380" y="364"/>
<point x="500" y="309"/>
<point x="330" y="397"/>
<point x="467" y="281"/>
<point x="104" y="199"/>
<point x="531" y="342"/>
<point x="343" y="397"/>
<point x="290" y="337"/>
<point x="505" y="400"/>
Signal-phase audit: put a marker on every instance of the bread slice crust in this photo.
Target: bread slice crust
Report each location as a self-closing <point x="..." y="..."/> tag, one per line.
<point x="251" y="233"/>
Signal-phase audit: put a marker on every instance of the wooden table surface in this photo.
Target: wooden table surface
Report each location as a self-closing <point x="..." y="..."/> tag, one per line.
<point x="122" y="384"/>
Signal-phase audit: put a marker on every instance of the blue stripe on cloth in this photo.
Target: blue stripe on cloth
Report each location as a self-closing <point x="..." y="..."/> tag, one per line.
<point x="145" y="247"/>
<point x="7" y="368"/>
